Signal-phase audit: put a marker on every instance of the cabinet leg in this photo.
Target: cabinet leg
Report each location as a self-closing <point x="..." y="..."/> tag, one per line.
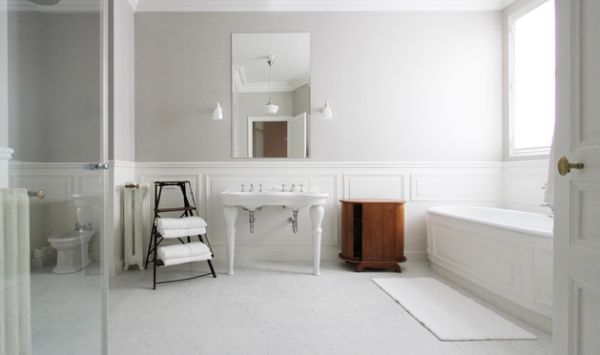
<point x="397" y="268"/>
<point x="360" y="267"/>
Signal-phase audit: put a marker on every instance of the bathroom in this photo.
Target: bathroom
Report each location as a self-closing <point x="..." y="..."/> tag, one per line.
<point x="413" y="103"/>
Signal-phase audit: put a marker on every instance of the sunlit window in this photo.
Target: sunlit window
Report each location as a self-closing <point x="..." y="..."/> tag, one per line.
<point x="532" y="80"/>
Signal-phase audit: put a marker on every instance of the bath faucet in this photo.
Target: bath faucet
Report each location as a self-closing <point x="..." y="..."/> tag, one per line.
<point x="83" y="227"/>
<point x="550" y="207"/>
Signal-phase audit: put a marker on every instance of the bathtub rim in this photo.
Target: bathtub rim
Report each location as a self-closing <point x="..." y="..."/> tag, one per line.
<point x="441" y="211"/>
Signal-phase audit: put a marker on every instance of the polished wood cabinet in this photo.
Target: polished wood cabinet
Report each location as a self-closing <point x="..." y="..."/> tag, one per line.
<point x="373" y="233"/>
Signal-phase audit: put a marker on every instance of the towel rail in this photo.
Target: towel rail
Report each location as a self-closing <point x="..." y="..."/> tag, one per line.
<point x="37" y="194"/>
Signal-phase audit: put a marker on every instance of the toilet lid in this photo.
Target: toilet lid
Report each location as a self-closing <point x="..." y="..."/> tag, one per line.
<point x="72" y="236"/>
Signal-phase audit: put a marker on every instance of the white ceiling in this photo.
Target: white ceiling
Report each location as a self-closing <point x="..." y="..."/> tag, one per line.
<point x="316" y="5"/>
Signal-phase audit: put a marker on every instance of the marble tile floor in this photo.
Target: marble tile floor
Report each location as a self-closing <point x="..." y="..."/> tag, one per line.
<point x="66" y="312"/>
<point x="279" y="308"/>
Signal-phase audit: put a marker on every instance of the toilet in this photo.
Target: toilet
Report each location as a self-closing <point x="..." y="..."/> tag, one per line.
<point x="72" y="247"/>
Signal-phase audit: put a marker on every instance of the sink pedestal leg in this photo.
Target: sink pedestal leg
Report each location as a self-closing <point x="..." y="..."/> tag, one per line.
<point x="230" y="217"/>
<point x="316" y="215"/>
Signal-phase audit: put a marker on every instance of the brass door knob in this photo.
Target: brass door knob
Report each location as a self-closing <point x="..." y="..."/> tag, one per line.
<point x="564" y="166"/>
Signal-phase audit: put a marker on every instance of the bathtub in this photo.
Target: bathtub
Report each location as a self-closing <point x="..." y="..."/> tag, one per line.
<point x="502" y="255"/>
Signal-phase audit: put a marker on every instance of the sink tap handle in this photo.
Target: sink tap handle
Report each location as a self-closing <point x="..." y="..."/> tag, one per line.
<point x="282" y="187"/>
<point x="260" y="188"/>
<point x="243" y="187"/>
<point x="301" y="188"/>
<point x="251" y="187"/>
<point x="293" y="188"/>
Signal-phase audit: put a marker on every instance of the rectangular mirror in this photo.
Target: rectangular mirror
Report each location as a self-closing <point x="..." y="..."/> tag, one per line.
<point x="270" y="95"/>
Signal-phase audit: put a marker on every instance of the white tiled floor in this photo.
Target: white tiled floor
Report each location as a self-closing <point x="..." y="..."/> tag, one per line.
<point x="66" y="312"/>
<point x="279" y="308"/>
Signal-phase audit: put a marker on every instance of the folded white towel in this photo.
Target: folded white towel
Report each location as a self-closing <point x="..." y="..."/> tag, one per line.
<point x="186" y="250"/>
<point x="178" y="233"/>
<point x="177" y="261"/>
<point x="180" y="223"/>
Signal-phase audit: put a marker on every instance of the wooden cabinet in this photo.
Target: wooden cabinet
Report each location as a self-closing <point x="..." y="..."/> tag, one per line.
<point x="373" y="233"/>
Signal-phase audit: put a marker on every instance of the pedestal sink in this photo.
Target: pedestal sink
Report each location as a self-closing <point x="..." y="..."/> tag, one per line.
<point x="253" y="201"/>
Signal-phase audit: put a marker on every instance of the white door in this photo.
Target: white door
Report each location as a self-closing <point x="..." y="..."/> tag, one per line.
<point x="296" y="137"/>
<point x="577" y="222"/>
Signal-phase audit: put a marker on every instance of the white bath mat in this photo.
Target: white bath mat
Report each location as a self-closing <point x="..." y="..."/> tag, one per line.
<point x="448" y="314"/>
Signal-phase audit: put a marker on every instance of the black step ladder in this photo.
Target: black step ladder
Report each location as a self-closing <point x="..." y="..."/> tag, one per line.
<point x="187" y="210"/>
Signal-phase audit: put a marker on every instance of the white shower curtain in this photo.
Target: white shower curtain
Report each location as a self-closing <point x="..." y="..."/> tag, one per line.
<point x="15" y="305"/>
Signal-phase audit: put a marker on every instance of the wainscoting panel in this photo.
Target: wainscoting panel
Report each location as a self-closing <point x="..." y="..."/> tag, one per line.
<point x="383" y="185"/>
<point x="472" y="186"/>
<point x="421" y="184"/>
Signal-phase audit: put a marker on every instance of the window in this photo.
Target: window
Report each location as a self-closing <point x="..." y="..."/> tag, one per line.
<point x="531" y="79"/>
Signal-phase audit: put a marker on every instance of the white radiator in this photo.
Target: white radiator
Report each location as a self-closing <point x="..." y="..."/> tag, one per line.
<point x="135" y="221"/>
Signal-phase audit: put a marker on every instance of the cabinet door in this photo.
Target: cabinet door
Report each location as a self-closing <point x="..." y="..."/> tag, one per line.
<point x="379" y="221"/>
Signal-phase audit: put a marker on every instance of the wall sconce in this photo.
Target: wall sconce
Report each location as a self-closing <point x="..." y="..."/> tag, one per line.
<point x="326" y="111"/>
<point x="218" y="112"/>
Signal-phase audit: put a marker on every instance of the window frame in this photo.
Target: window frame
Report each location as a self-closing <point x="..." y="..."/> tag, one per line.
<point x="513" y="16"/>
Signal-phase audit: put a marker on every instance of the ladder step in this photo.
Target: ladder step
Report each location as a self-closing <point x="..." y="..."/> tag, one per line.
<point x="176" y="209"/>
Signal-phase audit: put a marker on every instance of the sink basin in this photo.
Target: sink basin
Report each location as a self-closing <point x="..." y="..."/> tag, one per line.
<point x="255" y="199"/>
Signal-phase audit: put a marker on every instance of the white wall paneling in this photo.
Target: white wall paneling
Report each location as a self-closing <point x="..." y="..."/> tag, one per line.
<point x="122" y="172"/>
<point x="466" y="186"/>
<point x="273" y="238"/>
<point x="522" y="183"/>
<point x="55" y="213"/>
<point x="5" y="156"/>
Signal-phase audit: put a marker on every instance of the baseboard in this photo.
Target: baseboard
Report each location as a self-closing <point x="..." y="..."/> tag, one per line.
<point x="414" y="255"/>
<point x="526" y="315"/>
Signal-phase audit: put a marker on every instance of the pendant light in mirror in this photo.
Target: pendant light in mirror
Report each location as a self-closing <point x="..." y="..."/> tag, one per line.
<point x="271" y="108"/>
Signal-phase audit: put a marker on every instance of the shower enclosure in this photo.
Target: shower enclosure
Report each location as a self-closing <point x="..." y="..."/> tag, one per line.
<point x="53" y="149"/>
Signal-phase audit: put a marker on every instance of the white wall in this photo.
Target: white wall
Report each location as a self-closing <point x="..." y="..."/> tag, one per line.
<point x="54" y="86"/>
<point x="123" y="65"/>
<point x="121" y="121"/>
<point x="403" y="86"/>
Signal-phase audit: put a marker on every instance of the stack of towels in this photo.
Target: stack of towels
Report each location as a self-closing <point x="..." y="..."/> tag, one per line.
<point x="182" y="253"/>
<point x="181" y="227"/>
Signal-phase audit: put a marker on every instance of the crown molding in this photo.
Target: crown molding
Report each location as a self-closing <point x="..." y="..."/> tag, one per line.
<point x="318" y="5"/>
<point x="244" y="86"/>
<point x="133" y="4"/>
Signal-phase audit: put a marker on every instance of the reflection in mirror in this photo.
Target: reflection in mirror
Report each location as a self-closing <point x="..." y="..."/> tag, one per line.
<point x="270" y="95"/>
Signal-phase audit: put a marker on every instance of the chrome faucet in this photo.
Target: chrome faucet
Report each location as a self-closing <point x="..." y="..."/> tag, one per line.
<point x="301" y="188"/>
<point x="260" y="188"/>
<point x="293" y="188"/>
<point x="243" y="187"/>
<point x="251" y="187"/>
<point x="282" y="187"/>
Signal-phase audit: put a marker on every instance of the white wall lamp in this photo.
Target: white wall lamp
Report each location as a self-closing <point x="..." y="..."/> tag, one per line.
<point x="326" y="111"/>
<point x="218" y="112"/>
